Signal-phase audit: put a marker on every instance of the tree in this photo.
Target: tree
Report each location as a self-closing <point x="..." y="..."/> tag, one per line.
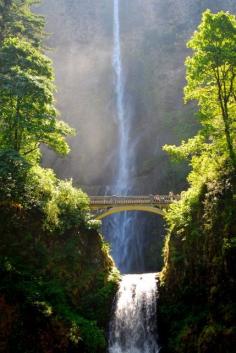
<point x="17" y="19"/>
<point x="28" y="116"/>
<point x="211" y="72"/>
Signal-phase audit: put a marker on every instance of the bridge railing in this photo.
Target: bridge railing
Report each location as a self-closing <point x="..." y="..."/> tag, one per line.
<point x="150" y="199"/>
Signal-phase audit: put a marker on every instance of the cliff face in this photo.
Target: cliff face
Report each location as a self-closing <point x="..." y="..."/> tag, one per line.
<point x="81" y="38"/>
<point x="198" y="282"/>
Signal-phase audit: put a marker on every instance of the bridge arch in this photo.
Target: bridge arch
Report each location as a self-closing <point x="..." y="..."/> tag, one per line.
<point x="124" y="208"/>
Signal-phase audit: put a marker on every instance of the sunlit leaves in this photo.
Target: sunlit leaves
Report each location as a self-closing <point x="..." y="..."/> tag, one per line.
<point x="211" y="72"/>
<point x="211" y="81"/>
<point x="64" y="206"/>
<point x="17" y="19"/>
<point x="28" y="116"/>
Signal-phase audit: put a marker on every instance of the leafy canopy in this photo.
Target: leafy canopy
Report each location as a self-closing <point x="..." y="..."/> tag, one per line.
<point x="17" y="19"/>
<point x="28" y="116"/>
<point x="211" y="72"/>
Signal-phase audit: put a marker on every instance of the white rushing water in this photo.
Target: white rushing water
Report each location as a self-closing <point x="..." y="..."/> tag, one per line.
<point x="133" y="328"/>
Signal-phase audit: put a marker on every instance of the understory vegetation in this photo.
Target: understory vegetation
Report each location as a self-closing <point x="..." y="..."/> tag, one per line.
<point x="57" y="280"/>
<point x="197" y="309"/>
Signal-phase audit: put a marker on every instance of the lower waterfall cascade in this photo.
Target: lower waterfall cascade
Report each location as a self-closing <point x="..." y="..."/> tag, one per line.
<point x="133" y="328"/>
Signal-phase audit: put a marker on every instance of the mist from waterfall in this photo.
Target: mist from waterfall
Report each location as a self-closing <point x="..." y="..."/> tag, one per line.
<point x="133" y="328"/>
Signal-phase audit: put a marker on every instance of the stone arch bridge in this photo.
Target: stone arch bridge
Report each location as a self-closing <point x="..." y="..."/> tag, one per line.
<point x="103" y="206"/>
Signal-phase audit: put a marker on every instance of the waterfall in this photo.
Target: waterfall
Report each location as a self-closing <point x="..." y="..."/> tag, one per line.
<point x="122" y="178"/>
<point x="121" y="183"/>
<point x="133" y="328"/>
<point x="119" y="229"/>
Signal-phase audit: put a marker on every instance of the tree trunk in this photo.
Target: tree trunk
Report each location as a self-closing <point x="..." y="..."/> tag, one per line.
<point x="228" y="137"/>
<point x="17" y="142"/>
<point x="223" y="101"/>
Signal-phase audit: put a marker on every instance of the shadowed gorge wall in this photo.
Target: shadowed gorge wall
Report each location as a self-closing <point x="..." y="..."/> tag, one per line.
<point x="196" y="298"/>
<point x="154" y="35"/>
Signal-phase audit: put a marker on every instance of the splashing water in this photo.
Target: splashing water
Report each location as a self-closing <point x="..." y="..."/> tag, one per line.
<point x="133" y="328"/>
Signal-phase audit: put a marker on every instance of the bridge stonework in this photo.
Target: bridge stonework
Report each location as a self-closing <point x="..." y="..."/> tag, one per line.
<point x="103" y="206"/>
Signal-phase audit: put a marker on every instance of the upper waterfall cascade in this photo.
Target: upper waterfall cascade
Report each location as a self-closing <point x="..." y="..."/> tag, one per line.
<point x="123" y="123"/>
<point x="119" y="228"/>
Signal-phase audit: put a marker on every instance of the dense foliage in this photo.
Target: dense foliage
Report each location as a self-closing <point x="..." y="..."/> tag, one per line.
<point x="198" y="283"/>
<point x="17" y="19"/>
<point x="211" y="72"/>
<point x="57" y="280"/>
<point x="28" y="115"/>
